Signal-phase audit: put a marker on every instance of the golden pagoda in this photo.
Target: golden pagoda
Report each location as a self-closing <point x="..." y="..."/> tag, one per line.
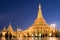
<point x="39" y="26"/>
<point x="10" y="30"/>
<point x="4" y="31"/>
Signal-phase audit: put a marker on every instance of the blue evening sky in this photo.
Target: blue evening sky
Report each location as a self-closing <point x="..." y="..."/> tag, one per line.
<point x="22" y="13"/>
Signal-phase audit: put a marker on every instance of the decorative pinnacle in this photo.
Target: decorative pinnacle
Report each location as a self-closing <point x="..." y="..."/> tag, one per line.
<point x="39" y="6"/>
<point x="39" y="12"/>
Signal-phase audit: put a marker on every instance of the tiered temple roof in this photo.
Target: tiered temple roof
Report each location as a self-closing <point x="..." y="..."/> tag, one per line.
<point x="10" y="29"/>
<point x="39" y="25"/>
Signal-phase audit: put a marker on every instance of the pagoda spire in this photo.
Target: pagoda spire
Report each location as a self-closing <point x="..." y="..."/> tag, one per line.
<point x="4" y="30"/>
<point x="39" y="12"/>
<point x="10" y="27"/>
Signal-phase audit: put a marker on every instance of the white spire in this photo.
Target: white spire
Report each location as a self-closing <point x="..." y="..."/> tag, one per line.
<point x="39" y="12"/>
<point x="39" y="6"/>
<point x="18" y="29"/>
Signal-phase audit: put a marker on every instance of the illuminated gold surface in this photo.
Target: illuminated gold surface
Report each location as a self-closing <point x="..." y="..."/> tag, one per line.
<point x="39" y="26"/>
<point x="36" y="29"/>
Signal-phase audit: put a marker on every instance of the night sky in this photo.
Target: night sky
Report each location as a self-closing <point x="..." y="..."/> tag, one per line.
<point x="22" y="13"/>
